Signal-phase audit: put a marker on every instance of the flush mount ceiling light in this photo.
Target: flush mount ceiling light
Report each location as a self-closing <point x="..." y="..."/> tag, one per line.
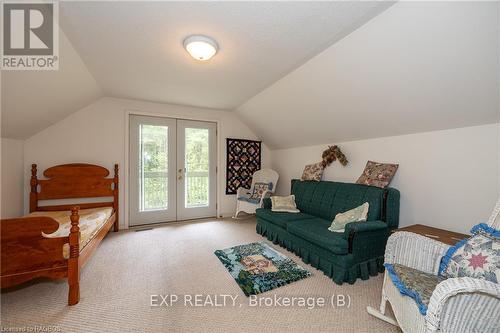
<point x="201" y="47"/>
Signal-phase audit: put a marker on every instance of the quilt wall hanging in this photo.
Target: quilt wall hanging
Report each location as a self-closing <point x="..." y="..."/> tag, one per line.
<point x="243" y="159"/>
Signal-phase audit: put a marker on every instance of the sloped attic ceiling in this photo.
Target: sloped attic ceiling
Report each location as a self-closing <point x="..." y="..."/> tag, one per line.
<point x="418" y="66"/>
<point x="134" y="50"/>
<point x="34" y="100"/>
<point x="415" y="67"/>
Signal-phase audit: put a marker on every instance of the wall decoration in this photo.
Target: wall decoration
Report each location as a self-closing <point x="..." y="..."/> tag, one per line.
<point x="243" y="159"/>
<point x="331" y="154"/>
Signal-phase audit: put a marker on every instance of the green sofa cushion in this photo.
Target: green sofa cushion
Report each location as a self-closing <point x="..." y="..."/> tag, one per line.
<point x="316" y="231"/>
<point x="281" y="219"/>
<point x="326" y="199"/>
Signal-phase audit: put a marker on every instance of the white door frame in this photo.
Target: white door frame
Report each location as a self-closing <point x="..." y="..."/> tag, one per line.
<point x="126" y="174"/>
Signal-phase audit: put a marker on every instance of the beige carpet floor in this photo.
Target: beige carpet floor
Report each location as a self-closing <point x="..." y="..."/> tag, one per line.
<point x="177" y="258"/>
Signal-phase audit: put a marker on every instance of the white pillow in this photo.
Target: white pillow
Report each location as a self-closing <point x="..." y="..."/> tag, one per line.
<point x="357" y="214"/>
<point x="284" y="204"/>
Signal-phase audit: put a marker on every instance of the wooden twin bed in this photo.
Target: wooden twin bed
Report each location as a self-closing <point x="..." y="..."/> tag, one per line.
<point x="48" y="242"/>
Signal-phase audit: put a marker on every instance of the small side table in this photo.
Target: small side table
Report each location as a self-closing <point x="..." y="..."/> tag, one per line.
<point x="441" y="235"/>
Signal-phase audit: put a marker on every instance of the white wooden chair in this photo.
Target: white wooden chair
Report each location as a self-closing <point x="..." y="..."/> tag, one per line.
<point x="244" y="202"/>
<point x="457" y="305"/>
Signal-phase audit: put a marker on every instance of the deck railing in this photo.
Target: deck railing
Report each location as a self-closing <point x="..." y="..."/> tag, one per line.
<point x="155" y="190"/>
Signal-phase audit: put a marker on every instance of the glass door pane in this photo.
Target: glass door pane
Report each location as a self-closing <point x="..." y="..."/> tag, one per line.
<point x="154" y="167"/>
<point x="196" y="167"/>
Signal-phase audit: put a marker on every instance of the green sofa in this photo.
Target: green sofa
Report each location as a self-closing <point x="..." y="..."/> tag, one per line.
<point x="344" y="257"/>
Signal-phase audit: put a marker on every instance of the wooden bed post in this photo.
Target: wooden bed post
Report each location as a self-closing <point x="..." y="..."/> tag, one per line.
<point x="73" y="264"/>
<point x="115" y="198"/>
<point x="34" y="189"/>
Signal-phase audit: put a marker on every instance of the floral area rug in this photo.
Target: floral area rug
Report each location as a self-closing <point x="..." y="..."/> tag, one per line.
<point x="257" y="267"/>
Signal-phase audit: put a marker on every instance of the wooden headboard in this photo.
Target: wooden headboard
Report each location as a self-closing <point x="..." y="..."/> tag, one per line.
<point x="71" y="181"/>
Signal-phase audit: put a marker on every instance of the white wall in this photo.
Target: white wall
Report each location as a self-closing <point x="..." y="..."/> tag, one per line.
<point x="448" y="179"/>
<point x="96" y="134"/>
<point x="419" y="66"/>
<point x="12" y="178"/>
<point x="53" y="95"/>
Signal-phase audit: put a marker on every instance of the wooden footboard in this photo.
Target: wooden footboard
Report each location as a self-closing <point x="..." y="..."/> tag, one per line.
<point x="27" y="254"/>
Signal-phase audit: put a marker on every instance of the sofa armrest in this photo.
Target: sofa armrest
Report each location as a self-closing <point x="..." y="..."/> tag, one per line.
<point x="266" y="203"/>
<point x="392" y="208"/>
<point x="415" y="251"/>
<point x="366" y="239"/>
<point x="467" y="304"/>
<point x="363" y="227"/>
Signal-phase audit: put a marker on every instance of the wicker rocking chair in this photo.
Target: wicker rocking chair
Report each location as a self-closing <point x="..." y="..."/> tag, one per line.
<point x="244" y="200"/>
<point x="456" y="305"/>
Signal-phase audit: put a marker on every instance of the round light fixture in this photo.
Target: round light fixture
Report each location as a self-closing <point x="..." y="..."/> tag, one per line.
<point x="201" y="47"/>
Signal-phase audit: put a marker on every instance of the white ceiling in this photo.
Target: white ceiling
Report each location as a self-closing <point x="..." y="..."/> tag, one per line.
<point x="34" y="100"/>
<point x="418" y="66"/>
<point x="134" y="49"/>
<point x="329" y="71"/>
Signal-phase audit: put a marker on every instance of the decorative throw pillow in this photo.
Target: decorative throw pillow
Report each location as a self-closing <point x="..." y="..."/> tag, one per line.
<point x="259" y="189"/>
<point x="377" y="174"/>
<point x="477" y="257"/>
<point x="357" y="214"/>
<point x="313" y="172"/>
<point x="284" y="204"/>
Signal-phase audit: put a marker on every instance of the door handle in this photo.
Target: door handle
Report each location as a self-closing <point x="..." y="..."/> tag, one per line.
<point x="180" y="174"/>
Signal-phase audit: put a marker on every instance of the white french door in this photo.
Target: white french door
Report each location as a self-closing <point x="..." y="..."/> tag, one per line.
<point x="196" y="169"/>
<point x="152" y="159"/>
<point x="172" y="169"/>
